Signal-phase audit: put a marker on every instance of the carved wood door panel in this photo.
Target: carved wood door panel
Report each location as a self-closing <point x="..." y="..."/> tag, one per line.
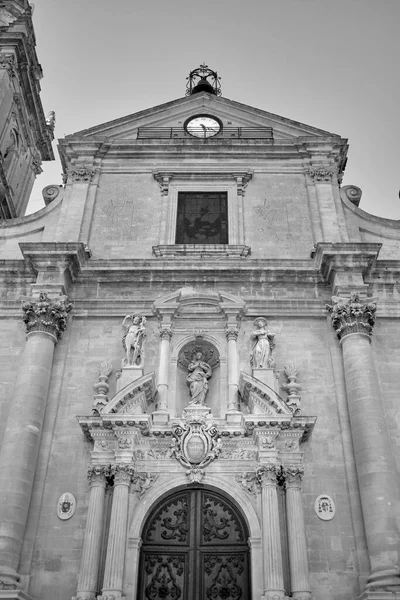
<point x="195" y="548"/>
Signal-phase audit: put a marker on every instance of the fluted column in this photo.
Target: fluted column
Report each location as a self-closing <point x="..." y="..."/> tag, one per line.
<point x="45" y="319"/>
<point x="90" y="561"/>
<point x="233" y="385"/>
<point x="163" y="370"/>
<point x="353" y="320"/>
<point x="272" y="551"/>
<point x="115" y="559"/>
<point x="300" y="585"/>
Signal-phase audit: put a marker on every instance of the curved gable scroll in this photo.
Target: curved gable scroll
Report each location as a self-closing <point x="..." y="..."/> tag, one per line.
<point x="134" y="397"/>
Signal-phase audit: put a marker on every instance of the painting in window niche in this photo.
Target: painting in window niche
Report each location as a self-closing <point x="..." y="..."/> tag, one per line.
<point x="202" y="218"/>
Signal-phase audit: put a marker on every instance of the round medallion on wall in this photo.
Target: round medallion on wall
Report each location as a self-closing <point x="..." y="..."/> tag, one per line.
<point x="203" y="126"/>
<point x="325" y="507"/>
<point x="66" y="506"/>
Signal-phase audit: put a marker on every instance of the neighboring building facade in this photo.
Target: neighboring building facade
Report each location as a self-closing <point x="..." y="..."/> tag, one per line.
<point x="193" y="404"/>
<point x="25" y="133"/>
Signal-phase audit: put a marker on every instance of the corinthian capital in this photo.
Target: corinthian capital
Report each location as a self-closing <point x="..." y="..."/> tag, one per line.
<point x="268" y="474"/>
<point x="293" y="476"/>
<point x="352" y="315"/>
<point x="232" y="333"/>
<point x="165" y="333"/>
<point x="122" y="473"/>
<point x="320" y="173"/>
<point x="46" y="314"/>
<point x="83" y="174"/>
<point x="97" y="475"/>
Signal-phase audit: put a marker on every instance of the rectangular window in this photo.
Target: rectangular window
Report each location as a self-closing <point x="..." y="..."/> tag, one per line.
<point x="202" y="218"/>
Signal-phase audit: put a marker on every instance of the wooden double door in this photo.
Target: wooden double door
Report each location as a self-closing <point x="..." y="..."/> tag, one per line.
<point x="195" y="548"/>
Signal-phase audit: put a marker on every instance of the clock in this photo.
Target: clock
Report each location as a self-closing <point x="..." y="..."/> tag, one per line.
<point x="203" y="126"/>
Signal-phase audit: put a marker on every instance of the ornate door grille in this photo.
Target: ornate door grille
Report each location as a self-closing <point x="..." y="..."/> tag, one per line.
<point x="195" y="548"/>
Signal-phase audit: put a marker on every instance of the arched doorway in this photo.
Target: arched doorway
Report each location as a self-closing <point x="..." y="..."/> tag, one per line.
<point x="195" y="546"/>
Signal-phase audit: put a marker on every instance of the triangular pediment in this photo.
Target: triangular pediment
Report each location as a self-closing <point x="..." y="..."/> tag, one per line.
<point x="174" y="114"/>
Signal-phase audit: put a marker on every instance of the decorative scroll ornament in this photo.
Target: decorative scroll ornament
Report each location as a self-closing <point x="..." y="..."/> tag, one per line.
<point x="46" y="314"/>
<point x="82" y="174"/>
<point x="66" y="506"/>
<point x="196" y="444"/>
<point x="352" y="193"/>
<point x="325" y="507"/>
<point x="141" y="482"/>
<point x="352" y="315"/>
<point x="50" y="193"/>
<point x="249" y="482"/>
<point x="320" y="173"/>
<point x="261" y="353"/>
<point x="292" y="387"/>
<point x="101" y="387"/>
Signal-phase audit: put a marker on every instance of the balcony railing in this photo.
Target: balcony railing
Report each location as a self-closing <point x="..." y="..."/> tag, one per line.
<point x="243" y="133"/>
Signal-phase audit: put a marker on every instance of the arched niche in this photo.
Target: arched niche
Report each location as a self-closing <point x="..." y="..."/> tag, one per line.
<point x="186" y="356"/>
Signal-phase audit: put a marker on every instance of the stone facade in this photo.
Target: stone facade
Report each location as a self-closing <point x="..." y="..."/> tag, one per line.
<point x="251" y="383"/>
<point x="25" y="133"/>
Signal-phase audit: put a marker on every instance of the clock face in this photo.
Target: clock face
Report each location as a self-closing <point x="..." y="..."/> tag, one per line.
<point x="203" y="126"/>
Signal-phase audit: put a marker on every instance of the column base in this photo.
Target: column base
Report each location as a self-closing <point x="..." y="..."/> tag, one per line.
<point x="234" y="417"/>
<point x="380" y="594"/>
<point x="274" y="595"/>
<point x="14" y="595"/>
<point x="160" y="417"/>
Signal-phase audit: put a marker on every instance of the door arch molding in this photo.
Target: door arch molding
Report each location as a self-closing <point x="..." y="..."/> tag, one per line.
<point x="195" y="545"/>
<point x="140" y="511"/>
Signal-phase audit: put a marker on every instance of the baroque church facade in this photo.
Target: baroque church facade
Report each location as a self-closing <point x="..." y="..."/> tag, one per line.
<point x="199" y="349"/>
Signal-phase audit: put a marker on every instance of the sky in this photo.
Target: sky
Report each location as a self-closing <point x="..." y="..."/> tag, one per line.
<point x="332" y="64"/>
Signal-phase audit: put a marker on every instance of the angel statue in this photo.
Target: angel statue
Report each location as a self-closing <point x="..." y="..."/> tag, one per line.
<point x="133" y="340"/>
<point x="197" y="380"/>
<point x="261" y="353"/>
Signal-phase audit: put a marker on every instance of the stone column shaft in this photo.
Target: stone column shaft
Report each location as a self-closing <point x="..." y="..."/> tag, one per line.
<point x="353" y="319"/>
<point x="90" y="561"/>
<point x="20" y="447"/>
<point x="115" y="559"/>
<point x="233" y="385"/>
<point x="45" y="320"/>
<point x="300" y="585"/>
<point x="163" y="370"/>
<point x="273" y="570"/>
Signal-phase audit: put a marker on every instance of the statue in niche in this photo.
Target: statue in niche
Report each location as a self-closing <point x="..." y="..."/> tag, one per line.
<point x="133" y="340"/>
<point x="261" y="353"/>
<point x="197" y="380"/>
